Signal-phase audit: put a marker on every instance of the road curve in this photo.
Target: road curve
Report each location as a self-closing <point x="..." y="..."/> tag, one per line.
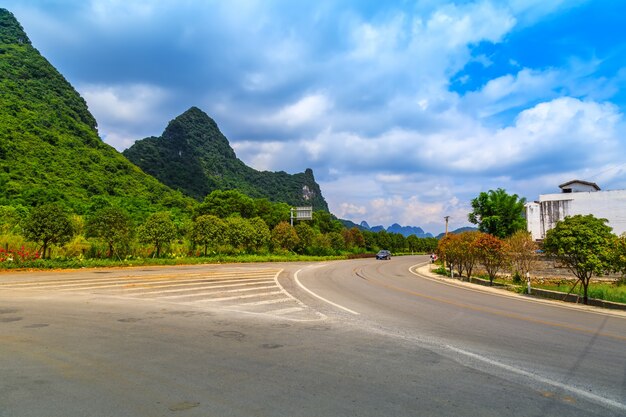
<point x="576" y="351"/>
<point x="247" y="340"/>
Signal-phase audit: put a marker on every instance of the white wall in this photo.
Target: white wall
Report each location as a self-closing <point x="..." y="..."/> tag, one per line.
<point x="610" y="205"/>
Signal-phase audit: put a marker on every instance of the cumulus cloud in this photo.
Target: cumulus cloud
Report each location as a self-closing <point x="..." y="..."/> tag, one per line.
<point x="123" y="111"/>
<point x="306" y="110"/>
<point x="361" y="93"/>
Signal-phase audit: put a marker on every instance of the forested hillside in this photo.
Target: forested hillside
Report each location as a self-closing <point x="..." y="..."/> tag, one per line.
<point x="193" y="156"/>
<point x="49" y="144"/>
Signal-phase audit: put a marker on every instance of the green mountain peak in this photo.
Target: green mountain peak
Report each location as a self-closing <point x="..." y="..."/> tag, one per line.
<point x="193" y="156"/>
<point x="11" y="32"/>
<point x="49" y="144"/>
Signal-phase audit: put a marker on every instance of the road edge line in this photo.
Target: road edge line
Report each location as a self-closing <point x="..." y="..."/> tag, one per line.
<point x="295" y="276"/>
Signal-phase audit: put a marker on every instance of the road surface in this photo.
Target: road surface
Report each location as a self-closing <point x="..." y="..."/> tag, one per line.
<point x="347" y="338"/>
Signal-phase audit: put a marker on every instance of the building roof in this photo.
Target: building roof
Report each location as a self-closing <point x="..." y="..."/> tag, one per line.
<point x="591" y="184"/>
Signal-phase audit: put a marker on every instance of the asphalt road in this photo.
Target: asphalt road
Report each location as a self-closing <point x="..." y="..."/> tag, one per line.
<point x="350" y="338"/>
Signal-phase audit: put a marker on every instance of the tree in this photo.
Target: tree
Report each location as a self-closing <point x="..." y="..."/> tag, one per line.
<point x="239" y="233"/>
<point x="261" y="234"/>
<point x="498" y="213"/>
<point x="306" y="236"/>
<point x="521" y="251"/>
<point x="227" y="203"/>
<point x="467" y="252"/>
<point x="48" y="224"/>
<point x="11" y="218"/>
<point x="490" y="253"/>
<point x="448" y="252"/>
<point x="111" y="224"/>
<point x="618" y="257"/>
<point x="413" y="243"/>
<point x="336" y="241"/>
<point x="158" y="229"/>
<point x="284" y="236"/>
<point x="208" y="230"/>
<point x="583" y="244"/>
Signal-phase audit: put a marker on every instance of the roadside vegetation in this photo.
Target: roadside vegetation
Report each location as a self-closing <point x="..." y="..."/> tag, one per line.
<point x="227" y="226"/>
<point x="584" y="245"/>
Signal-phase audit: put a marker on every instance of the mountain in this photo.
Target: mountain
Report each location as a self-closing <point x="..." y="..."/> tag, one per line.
<point x="408" y="230"/>
<point x="49" y="144"/>
<point x="459" y="230"/>
<point x="405" y="231"/>
<point x="193" y="156"/>
<point x="348" y="224"/>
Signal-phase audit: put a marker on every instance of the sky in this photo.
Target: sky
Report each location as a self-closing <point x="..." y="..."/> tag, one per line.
<point x="405" y="110"/>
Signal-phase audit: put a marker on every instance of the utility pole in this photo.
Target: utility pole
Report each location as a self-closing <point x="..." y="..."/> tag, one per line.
<point x="446" y="217"/>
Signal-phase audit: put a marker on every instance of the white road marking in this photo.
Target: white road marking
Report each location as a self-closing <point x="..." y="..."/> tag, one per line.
<point x="261" y="303"/>
<point x="295" y="276"/>
<point x="239" y="297"/>
<point x="199" y="294"/>
<point x="239" y="287"/>
<point x="196" y="287"/>
<point x="581" y="392"/>
<point x="285" y="310"/>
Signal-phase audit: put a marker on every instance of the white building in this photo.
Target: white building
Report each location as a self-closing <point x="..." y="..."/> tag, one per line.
<point x="576" y="197"/>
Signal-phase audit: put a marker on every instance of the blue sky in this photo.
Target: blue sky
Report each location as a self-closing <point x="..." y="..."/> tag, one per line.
<point x="405" y="110"/>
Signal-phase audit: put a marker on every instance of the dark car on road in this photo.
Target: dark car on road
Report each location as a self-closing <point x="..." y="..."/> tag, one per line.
<point x="383" y="254"/>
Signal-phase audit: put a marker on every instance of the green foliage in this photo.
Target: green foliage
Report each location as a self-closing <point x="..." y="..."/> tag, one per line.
<point x="306" y="237"/>
<point x="284" y="237"/>
<point x="193" y="156"/>
<point x="48" y="224"/>
<point x="208" y="230"/>
<point x="49" y="145"/>
<point x="158" y="230"/>
<point x="261" y="235"/>
<point x="583" y="244"/>
<point x="11" y="218"/>
<point x="498" y="213"/>
<point x="239" y="233"/>
<point x="111" y="224"/>
<point x="618" y="258"/>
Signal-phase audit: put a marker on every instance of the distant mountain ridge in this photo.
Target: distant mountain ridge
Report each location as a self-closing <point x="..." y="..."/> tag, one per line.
<point x="405" y="231"/>
<point x="193" y="156"/>
<point x="459" y="230"/>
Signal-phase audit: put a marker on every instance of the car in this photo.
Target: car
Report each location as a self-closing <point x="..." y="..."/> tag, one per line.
<point x="383" y="254"/>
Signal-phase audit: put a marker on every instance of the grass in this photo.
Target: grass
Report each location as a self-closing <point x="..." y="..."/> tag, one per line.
<point x="607" y="291"/>
<point x="599" y="290"/>
<point x="77" y="263"/>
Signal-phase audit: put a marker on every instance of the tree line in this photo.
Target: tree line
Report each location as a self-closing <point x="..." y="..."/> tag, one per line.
<point x="226" y="222"/>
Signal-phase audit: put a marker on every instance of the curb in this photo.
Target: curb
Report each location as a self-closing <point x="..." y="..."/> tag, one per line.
<point x="600" y="308"/>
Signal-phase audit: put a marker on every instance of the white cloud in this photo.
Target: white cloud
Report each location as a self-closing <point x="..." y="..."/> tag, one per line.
<point x="125" y="112"/>
<point x="134" y="103"/>
<point x="306" y="110"/>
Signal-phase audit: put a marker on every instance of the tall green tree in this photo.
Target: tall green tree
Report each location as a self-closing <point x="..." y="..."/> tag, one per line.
<point x="208" y="230"/>
<point x="239" y="233"/>
<point x="584" y="244"/>
<point x="261" y="234"/>
<point x="159" y="230"/>
<point x="48" y="224"/>
<point x="111" y="224"/>
<point x="498" y="213"/>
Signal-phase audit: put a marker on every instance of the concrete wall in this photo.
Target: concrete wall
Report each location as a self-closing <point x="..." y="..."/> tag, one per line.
<point x="610" y="205"/>
<point x="577" y="187"/>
